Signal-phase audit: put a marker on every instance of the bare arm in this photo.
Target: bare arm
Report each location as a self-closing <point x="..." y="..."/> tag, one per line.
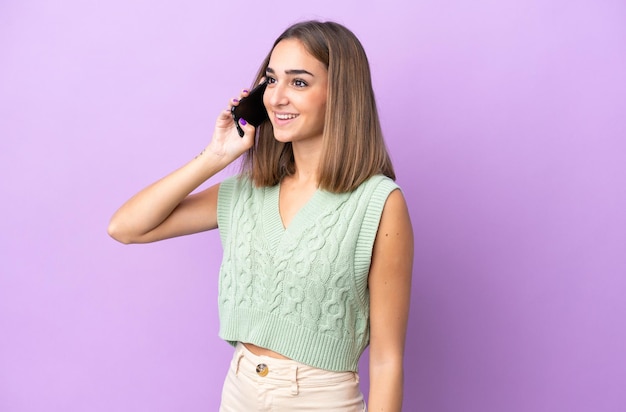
<point x="390" y="289"/>
<point x="166" y="209"/>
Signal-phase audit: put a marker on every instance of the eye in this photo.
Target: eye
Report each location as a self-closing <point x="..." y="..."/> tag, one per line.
<point x="270" y="79"/>
<point x="299" y="83"/>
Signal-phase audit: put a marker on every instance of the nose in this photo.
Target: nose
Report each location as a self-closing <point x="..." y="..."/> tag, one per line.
<point x="276" y="96"/>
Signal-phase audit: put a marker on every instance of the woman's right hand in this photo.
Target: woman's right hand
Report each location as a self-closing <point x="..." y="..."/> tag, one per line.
<point x="226" y="142"/>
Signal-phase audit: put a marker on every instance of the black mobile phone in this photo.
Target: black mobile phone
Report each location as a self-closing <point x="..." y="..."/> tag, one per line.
<point x="251" y="108"/>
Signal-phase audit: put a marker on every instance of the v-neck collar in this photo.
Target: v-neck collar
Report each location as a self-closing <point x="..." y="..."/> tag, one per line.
<point x="306" y="216"/>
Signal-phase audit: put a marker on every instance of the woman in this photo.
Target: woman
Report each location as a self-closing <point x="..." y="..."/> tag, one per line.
<point x="318" y="244"/>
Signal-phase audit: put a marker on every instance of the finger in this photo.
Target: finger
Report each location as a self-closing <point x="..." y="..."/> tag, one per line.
<point x="233" y="102"/>
<point x="247" y="128"/>
<point x="243" y="93"/>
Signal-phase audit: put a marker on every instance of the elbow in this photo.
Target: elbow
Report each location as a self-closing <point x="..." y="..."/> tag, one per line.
<point x="117" y="233"/>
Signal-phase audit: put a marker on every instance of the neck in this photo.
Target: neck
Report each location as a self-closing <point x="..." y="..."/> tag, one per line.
<point x="306" y="160"/>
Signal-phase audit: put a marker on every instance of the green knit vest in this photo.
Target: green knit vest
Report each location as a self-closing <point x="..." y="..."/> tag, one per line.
<point x="300" y="291"/>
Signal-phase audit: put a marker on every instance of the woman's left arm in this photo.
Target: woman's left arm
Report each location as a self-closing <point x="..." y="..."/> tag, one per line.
<point x="390" y="290"/>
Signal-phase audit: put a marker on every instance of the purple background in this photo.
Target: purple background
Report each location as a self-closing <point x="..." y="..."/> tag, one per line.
<point x="506" y="121"/>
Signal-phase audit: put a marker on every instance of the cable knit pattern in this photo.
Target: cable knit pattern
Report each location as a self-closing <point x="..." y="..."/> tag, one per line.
<point x="300" y="291"/>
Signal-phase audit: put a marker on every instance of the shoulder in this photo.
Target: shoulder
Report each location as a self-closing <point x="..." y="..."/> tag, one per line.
<point x="396" y="205"/>
<point x="378" y="199"/>
<point x="375" y="191"/>
<point x="233" y="185"/>
<point x="234" y="181"/>
<point x="395" y="228"/>
<point x="394" y="222"/>
<point x="380" y="184"/>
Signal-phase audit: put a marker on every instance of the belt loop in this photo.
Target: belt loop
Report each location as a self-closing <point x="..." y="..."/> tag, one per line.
<point x="294" y="380"/>
<point x="238" y="361"/>
<point x="356" y="376"/>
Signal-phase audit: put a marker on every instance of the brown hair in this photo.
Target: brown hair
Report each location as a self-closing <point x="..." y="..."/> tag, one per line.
<point x="353" y="145"/>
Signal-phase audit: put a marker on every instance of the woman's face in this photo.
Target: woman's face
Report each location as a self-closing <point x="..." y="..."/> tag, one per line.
<point x="295" y="97"/>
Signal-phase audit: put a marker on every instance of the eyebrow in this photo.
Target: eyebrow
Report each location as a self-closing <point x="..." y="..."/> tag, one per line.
<point x="290" y="72"/>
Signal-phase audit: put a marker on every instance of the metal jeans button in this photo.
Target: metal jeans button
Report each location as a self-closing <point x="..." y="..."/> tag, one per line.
<point x="262" y="369"/>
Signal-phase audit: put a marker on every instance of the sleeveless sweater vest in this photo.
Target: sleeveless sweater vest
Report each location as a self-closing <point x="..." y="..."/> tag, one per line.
<point x="302" y="290"/>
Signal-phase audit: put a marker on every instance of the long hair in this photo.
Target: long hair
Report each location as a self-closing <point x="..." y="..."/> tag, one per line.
<point x="353" y="146"/>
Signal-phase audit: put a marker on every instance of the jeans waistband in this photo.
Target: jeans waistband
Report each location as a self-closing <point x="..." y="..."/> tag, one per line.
<point x="285" y="371"/>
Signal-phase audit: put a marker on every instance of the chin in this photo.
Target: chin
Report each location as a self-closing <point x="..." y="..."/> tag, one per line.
<point x="283" y="137"/>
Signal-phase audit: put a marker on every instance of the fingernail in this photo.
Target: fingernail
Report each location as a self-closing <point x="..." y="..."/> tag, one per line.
<point x="243" y="122"/>
<point x="235" y="100"/>
<point x="245" y="90"/>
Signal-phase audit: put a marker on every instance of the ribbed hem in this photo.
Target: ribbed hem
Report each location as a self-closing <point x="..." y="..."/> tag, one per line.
<point x="291" y="340"/>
